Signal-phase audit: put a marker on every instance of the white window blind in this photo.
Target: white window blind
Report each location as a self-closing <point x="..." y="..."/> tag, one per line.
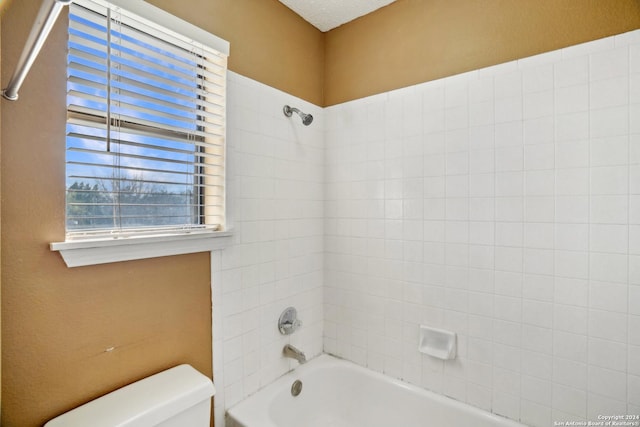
<point x="145" y="125"/>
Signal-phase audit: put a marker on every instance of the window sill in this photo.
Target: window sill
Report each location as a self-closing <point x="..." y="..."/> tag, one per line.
<point x="79" y="253"/>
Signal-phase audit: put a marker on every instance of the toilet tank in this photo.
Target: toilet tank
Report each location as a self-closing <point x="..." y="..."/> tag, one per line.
<point x="177" y="397"/>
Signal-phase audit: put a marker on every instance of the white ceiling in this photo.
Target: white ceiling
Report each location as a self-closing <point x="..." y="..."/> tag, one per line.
<point x="328" y="14"/>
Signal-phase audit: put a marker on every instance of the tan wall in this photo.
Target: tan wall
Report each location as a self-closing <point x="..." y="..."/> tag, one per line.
<point x="269" y="42"/>
<point x="412" y="41"/>
<point x="0" y="226"/>
<point x="57" y="323"/>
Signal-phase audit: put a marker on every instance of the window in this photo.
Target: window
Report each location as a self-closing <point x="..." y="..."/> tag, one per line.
<point x="145" y="144"/>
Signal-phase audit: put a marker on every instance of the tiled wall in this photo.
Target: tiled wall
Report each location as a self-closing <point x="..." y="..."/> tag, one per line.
<point x="502" y="204"/>
<point x="275" y="208"/>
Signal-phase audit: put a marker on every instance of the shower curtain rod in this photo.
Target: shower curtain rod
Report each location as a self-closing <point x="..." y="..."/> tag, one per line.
<point x="45" y="19"/>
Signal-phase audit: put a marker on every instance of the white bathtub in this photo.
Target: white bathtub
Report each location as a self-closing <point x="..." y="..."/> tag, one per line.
<point x="337" y="393"/>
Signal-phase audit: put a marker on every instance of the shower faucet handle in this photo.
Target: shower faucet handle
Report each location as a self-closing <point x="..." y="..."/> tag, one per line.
<point x="290" y="327"/>
<point x="288" y="322"/>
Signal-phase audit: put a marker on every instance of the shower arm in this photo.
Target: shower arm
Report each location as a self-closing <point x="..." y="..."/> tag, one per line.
<point x="45" y="20"/>
<point x="288" y="111"/>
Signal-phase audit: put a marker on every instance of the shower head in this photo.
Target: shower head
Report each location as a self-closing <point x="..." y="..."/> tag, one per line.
<point x="306" y="118"/>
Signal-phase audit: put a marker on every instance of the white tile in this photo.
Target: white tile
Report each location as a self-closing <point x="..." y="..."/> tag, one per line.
<point x="481" y="161"/>
<point x="634" y="240"/>
<point x="539" y="183"/>
<point x="610" y="151"/>
<point x="572" y="182"/>
<point x="610" y="180"/>
<point x="434" y="165"/>
<point x="509" y="159"/>
<point x="575" y="126"/>
<point x="537" y="313"/>
<point x="608" y="354"/>
<point x="482" y="185"/>
<point x="573" y="209"/>
<point x="634" y="179"/>
<point x="434" y="187"/>
<point x="571" y="99"/>
<point x="538" y="288"/>
<point x="571" y="291"/>
<point x="634" y="330"/>
<point x="539" y="131"/>
<point x="481" y="114"/>
<point x="634" y="299"/>
<point x="536" y="390"/>
<point x="634" y="58"/>
<point x="609" y="238"/>
<point x="481" y="209"/>
<point x="608" y="383"/>
<point x="570" y="400"/>
<point x="434" y="209"/>
<point x="457" y="163"/>
<point x="537" y="339"/>
<point x="633" y="390"/>
<point x="433" y="98"/>
<point x="605" y="267"/>
<point x="458" y="209"/>
<point x="481" y="257"/>
<point x="509" y="134"/>
<point x="508" y="259"/>
<point x="509" y="208"/>
<point x="456" y="117"/>
<point x="481" y="90"/>
<point x="538" y="104"/>
<point x="572" y="264"/>
<point x="509" y="184"/>
<point x="508" y="85"/>
<point x="538" y="235"/>
<point x="456" y="94"/>
<point x="571" y="72"/>
<point x="608" y="296"/>
<point x="539" y="261"/>
<point x="570" y="346"/>
<point x="538" y="78"/>
<point x="481" y="233"/>
<point x="508" y="283"/>
<point x="508" y="234"/>
<point x="508" y="109"/>
<point x="538" y="364"/>
<point x="540" y="156"/>
<point x="509" y="334"/>
<point x="539" y="209"/>
<point x="572" y="154"/>
<point x="570" y="373"/>
<point x="507" y="308"/>
<point x="609" y="63"/>
<point x="633" y="363"/>
<point x="609" y="209"/>
<point x="609" y="93"/>
<point x="481" y="137"/>
<point x="612" y="121"/>
<point x="534" y="414"/>
<point x="608" y="325"/>
<point x="570" y="318"/>
<point x="634" y="209"/>
<point x="634" y="88"/>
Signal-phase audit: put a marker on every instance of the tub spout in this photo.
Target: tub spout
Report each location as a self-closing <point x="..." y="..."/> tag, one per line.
<point x="294" y="353"/>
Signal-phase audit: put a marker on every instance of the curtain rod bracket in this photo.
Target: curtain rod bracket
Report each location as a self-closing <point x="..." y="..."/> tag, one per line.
<point x="42" y="26"/>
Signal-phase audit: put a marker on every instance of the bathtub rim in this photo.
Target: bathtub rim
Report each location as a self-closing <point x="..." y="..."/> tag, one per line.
<point x="251" y="410"/>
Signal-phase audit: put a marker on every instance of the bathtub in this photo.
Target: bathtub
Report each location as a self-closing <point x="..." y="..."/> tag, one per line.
<point x="337" y="393"/>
